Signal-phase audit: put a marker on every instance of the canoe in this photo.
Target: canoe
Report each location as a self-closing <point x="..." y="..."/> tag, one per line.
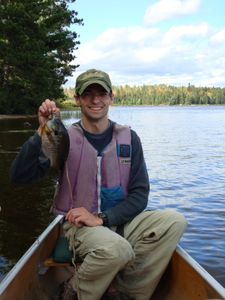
<point x="32" y="278"/>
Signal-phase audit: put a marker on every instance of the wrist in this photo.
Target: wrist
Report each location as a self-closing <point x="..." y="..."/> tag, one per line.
<point x="39" y="130"/>
<point x="104" y="218"/>
<point x="100" y="221"/>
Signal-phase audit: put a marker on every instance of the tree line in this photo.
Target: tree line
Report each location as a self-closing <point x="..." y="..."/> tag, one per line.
<point x="163" y="95"/>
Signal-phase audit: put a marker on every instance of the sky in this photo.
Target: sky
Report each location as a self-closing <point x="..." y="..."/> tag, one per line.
<point x="173" y="42"/>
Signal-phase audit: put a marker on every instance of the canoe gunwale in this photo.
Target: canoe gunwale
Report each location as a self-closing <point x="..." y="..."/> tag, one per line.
<point x="23" y="260"/>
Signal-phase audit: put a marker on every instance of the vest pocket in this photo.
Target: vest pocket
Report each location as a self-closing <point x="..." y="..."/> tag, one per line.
<point x="110" y="197"/>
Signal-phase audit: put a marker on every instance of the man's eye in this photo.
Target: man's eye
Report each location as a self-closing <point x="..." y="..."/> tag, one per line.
<point x="86" y="94"/>
<point x="92" y="94"/>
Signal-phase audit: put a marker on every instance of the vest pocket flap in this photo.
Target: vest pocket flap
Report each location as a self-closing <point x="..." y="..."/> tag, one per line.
<point x="110" y="197"/>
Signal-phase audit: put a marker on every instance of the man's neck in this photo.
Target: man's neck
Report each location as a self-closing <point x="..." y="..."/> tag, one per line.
<point x="95" y="127"/>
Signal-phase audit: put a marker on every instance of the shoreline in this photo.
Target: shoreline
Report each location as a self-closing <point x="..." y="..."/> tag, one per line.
<point x="5" y="117"/>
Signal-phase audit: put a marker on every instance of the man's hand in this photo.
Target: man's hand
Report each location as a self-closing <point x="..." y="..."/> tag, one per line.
<point x="47" y="109"/>
<point x="81" y="216"/>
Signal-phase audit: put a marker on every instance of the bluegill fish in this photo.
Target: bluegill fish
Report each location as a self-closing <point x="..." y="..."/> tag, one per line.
<point x="55" y="142"/>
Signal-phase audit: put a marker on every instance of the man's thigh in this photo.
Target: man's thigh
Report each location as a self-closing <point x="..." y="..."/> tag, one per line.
<point x="152" y="225"/>
<point x="88" y="239"/>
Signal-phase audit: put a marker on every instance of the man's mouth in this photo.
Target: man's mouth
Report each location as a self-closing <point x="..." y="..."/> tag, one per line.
<point x="95" y="108"/>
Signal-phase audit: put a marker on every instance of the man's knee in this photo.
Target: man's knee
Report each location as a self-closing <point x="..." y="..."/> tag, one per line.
<point x="176" y="220"/>
<point x="119" y="252"/>
<point x="114" y="254"/>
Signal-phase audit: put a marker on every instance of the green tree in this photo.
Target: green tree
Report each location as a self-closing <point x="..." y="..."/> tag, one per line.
<point x="36" y="51"/>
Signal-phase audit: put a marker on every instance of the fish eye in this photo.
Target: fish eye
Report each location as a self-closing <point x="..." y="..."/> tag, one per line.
<point x="56" y="132"/>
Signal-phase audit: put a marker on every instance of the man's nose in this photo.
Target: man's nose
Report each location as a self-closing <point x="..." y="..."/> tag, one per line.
<point x="96" y="97"/>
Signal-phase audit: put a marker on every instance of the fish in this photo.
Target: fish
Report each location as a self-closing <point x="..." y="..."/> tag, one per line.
<point x="55" y="142"/>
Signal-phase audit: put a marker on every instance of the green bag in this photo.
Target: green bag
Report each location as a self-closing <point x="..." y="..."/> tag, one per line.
<point x="62" y="253"/>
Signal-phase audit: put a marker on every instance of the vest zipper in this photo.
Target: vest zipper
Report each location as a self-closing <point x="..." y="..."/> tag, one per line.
<point x="99" y="181"/>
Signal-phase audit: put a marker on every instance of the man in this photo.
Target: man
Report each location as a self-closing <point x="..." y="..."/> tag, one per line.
<point x="103" y="194"/>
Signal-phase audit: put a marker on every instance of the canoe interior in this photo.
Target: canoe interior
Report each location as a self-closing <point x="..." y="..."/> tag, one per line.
<point x="182" y="282"/>
<point x="33" y="281"/>
<point x="28" y="284"/>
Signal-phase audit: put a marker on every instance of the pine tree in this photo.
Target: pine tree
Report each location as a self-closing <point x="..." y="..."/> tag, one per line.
<point x="36" y="51"/>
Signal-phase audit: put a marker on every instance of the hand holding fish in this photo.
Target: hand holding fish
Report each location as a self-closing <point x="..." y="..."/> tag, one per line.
<point x="47" y="109"/>
<point x="54" y="136"/>
<point x="81" y="216"/>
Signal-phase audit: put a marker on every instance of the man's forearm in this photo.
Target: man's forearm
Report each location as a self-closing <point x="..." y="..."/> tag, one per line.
<point x="30" y="163"/>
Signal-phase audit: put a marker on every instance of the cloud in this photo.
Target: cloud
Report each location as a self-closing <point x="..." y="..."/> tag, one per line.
<point x="167" y="9"/>
<point x="218" y="38"/>
<point x="192" y="53"/>
<point x="186" y="31"/>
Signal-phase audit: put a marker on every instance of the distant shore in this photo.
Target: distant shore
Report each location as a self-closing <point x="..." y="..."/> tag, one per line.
<point x="4" y="117"/>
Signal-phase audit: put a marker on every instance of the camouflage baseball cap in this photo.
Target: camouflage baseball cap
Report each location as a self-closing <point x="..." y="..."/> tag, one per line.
<point x="90" y="77"/>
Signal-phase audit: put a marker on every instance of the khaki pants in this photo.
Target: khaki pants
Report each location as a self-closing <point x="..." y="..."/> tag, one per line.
<point x="135" y="262"/>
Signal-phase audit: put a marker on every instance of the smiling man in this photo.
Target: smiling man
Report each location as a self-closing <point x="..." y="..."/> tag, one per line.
<point x="94" y="96"/>
<point x="103" y="193"/>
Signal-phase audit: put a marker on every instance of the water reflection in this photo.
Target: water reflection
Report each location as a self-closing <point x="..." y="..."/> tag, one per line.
<point x="185" y="155"/>
<point x="24" y="210"/>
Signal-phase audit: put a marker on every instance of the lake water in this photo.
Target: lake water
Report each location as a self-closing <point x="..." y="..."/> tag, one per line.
<point x="184" y="148"/>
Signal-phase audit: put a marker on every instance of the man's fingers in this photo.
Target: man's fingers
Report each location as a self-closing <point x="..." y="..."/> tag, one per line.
<point x="72" y="216"/>
<point x="48" y="107"/>
<point x="78" y="222"/>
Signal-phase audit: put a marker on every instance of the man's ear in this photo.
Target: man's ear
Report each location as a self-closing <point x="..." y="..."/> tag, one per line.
<point x="77" y="100"/>
<point x="112" y="97"/>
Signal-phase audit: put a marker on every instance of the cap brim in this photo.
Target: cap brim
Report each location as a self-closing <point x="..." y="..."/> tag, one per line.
<point x="86" y="84"/>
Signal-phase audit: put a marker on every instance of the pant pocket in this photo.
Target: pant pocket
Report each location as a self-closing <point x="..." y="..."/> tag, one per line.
<point x="152" y="235"/>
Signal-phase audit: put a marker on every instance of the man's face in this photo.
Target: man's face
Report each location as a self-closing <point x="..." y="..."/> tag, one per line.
<point x="94" y="102"/>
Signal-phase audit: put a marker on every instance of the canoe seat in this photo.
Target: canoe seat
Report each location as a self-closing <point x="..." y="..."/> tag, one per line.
<point x="49" y="262"/>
